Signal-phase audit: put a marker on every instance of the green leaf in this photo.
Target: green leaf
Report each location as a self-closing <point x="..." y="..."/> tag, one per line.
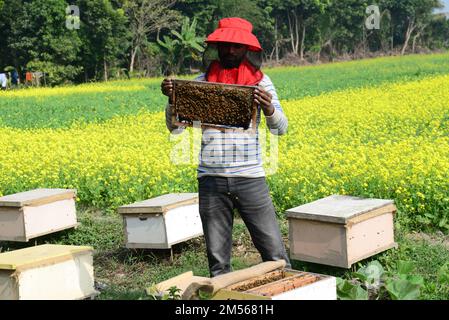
<point x="361" y="276"/>
<point x="349" y="291"/>
<point x="371" y="273"/>
<point x="177" y="34"/>
<point x="442" y="223"/>
<point x="443" y="273"/>
<point x="403" y="289"/>
<point x="415" y="279"/>
<point x="405" y="267"/>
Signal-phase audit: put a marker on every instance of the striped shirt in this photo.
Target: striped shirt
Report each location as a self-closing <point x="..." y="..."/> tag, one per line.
<point x="236" y="153"/>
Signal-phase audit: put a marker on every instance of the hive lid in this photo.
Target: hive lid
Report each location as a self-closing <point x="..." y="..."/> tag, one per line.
<point x="36" y="197"/>
<point x="340" y="209"/>
<point x="160" y="204"/>
<point x="38" y="255"/>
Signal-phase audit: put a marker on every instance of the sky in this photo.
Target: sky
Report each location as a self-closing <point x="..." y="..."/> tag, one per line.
<point x="446" y="4"/>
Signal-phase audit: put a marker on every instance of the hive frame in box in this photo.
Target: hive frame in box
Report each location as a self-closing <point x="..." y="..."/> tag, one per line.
<point x="294" y="285"/>
<point x="252" y="126"/>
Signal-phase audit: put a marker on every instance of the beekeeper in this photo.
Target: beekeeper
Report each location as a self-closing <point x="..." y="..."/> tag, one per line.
<point x="230" y="171"/>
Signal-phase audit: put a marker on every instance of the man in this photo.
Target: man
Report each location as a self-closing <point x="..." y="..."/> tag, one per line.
<point x="3" y="81"/>
<point x="230" y="172"/>
<point x="14" y="78"/>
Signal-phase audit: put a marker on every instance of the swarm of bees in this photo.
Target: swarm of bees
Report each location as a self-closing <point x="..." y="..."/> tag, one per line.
<point x="214" y="104"/>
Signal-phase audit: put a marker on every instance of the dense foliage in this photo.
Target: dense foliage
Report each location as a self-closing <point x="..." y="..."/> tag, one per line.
<point x="121" y="38"/>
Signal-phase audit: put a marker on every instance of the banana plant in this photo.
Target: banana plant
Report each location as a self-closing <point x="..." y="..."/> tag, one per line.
<point x="186" y="45"/>
<point x="170" y="48"/>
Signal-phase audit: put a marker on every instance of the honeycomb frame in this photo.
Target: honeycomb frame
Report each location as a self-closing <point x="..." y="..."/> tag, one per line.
<point x="192" y="101"/>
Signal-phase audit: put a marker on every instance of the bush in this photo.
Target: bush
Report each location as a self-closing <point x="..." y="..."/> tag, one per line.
<point x="54" y="74"/>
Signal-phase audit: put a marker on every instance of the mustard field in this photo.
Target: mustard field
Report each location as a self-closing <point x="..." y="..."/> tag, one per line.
<point x="375" y="128"/>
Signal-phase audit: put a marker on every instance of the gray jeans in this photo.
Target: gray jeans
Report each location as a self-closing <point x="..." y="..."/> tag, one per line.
<point x="218" y="197"/>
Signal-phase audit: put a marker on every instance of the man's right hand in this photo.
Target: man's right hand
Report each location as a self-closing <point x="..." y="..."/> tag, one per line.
<point x="167" y="88"/>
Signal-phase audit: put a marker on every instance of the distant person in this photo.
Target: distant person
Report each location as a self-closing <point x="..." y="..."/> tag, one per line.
<point x="14" y="78"/>
<point x="28" y="78"/>
<point x="3" y="81"/>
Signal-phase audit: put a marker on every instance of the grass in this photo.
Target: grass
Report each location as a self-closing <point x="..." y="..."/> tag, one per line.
<point x="296" y="83"/>
<point x="98" y="102"/>
<point x="124" y="274"/>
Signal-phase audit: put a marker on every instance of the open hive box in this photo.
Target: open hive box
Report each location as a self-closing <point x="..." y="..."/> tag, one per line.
<point x="282" y="285"/>
<point x="265" y="281"/>
<point x="213" y="105"/>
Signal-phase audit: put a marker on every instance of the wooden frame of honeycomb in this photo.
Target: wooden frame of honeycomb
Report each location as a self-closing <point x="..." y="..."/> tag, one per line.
<point x="195" y="101"/>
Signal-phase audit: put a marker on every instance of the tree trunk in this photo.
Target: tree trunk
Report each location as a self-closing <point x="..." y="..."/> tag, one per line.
<point x="411" y="27"/>
<point x="105" y="65"/>
<point x="297" y="33"/>
<point x="133" y="59"/>
<point x="294" y="32"/>
<point x="414" y="42"/>
<point x="290" y="27"/>
<point x="270" y="56"/>
<point x="392" y="33"/>
<point x="276" y="40"/>
<point x="301" y="56"/>
<point x="416" y="37"/>
<point x="364" y="37"/>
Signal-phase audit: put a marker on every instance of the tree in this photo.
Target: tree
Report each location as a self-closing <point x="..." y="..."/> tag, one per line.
<point x="104" y="34"/>
<point x="209" y="12"/>
<point x="436" y="36"/>
<point x="37" y="37"/>
<point x="411" y="17"/>
<point x="186" y="45"/>
<point x="299" y="13"/>
<point x="190" y="45"/>
<point x="145" y="18"/>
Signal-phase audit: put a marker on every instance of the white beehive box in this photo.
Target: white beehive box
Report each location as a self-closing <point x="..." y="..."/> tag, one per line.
<point x="47" y="272"/>
<point x="161" y="222"/>
<point x="341" y="230"/>
<point x="278" y="284"/>
<point x="35" y="213"/>
<point x="287" y="285"/>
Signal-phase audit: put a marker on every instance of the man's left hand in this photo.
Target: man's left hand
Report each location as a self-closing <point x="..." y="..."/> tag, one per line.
<point x="263" y="98"/>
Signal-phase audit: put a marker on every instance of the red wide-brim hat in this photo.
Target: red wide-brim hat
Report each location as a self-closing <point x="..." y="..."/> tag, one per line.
<point x="235" y="30"/>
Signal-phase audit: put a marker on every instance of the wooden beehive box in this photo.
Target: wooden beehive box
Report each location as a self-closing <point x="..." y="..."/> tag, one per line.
<point x="161" y="222"/>
<point x="47" y="272"/>
<point x="341" y="230"/>
<point x="35" y="213"/>
<point x="282" y="285"/>
<point x="214" y="105"/>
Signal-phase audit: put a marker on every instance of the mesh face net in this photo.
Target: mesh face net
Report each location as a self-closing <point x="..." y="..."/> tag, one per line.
<point x="211" y="54"/>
